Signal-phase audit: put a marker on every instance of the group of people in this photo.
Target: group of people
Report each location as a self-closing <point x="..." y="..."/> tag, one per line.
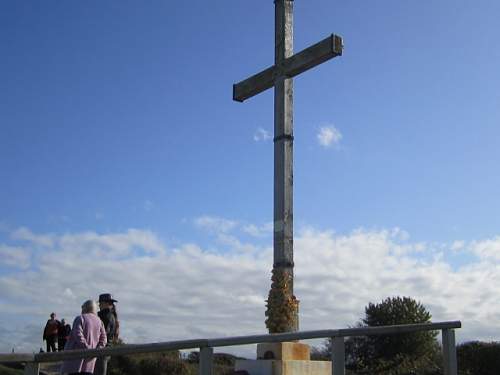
<point x="56" y="332"/>
<point x="95" y="327"/>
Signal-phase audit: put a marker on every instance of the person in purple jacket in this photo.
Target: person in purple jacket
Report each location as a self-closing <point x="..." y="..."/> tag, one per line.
<point x="88" y="333"/>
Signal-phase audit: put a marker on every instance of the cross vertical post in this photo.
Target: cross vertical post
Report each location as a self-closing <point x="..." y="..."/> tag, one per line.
<point x="283" y="149"/>
<point x="282" y="306"/>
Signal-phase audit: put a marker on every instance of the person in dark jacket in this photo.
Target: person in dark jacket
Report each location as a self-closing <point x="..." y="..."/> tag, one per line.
<point x="50" y="332"/>
<point x="107" y="313"/>
<point x="63" y="334"/>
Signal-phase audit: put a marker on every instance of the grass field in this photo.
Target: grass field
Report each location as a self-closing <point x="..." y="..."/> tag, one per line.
<point x="9" y="371"/>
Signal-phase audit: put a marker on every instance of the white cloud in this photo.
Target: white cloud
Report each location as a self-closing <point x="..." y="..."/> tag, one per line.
<point x="457" y="245"/>
<point x="113" y="244"/>
<point x="68" y="293"/>
<point x="400" y="234"/>
<point x="215" y="224"/>
<point x="190" y="292"/>
<point x="261" y="135"/>
<point x="328" y="136"/>
<point x="24" y="234"/>
<point x="488" y="249"/>
<point x="17" y="257"/>
<point x="258" y="231"/>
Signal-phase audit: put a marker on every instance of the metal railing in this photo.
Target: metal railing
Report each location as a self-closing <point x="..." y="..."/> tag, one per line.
<point x="206" y="346"/>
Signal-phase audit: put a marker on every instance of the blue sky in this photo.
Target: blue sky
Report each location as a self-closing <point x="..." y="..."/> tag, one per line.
<point x="117" y="117"/>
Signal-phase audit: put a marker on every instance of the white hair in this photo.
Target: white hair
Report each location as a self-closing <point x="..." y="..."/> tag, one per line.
<point x="89" y="306"/>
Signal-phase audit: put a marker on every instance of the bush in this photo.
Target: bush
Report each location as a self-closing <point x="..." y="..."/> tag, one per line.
<point x="4" y="370"/>
<point x="479" y="358"/>
<point x="167" y="363"/>
<point x="403" y="354"/>
<point x="162" y="366"/>
<point x="223" y="362"/>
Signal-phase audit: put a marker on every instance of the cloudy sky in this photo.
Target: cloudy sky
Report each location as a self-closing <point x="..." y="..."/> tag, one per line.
<point x="125" y="167"/>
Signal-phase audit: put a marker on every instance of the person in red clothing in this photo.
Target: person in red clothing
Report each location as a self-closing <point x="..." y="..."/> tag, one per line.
<point x="50" y="332"/>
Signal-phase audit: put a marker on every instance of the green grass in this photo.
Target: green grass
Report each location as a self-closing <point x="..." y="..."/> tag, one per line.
<point x="4" y="370"/>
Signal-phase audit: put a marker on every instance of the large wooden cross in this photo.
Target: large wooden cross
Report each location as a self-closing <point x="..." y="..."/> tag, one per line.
<point x="286" y="66"/>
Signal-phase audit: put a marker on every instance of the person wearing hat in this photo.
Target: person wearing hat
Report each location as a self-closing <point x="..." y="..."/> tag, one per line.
<point x="107" y="313"/>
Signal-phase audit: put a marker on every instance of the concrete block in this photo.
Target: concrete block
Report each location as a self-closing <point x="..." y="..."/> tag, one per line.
<point x="275" y="367"/>
<point x="284" y="351"/>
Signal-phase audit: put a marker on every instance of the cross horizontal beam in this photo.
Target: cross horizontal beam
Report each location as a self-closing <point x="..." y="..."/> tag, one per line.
<point x="306" y="59"/>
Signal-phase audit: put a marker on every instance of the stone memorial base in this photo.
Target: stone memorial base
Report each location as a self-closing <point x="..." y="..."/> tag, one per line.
<point x="286" y="358"/>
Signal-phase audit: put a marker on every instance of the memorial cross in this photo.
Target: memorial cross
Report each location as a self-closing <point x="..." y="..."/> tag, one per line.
<point x="286" y="66"/>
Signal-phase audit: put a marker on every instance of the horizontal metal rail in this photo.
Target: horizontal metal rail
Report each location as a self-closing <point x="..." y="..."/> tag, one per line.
<point x="226" y="341"/>
<point x="337" y="335"/>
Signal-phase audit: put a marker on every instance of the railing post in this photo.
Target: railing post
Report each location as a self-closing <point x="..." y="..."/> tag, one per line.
<point x="449" y="352"/>
<point x="206" y="360"/>
<point x="31" y="368"/>
<point x="338" y="356"/>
